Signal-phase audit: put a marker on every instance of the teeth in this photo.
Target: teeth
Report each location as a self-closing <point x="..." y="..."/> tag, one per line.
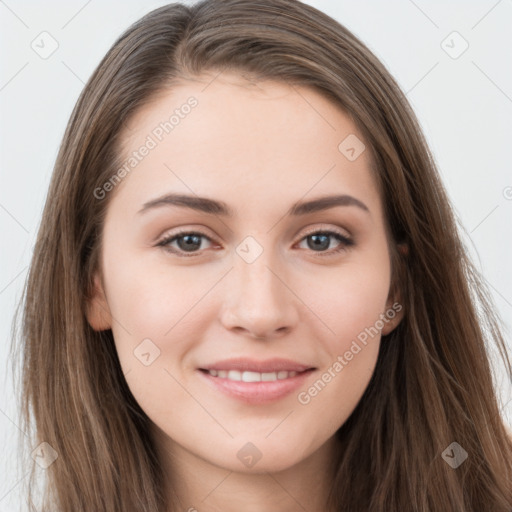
<point x="251" y="376"/>
<point x="234" y="375"/>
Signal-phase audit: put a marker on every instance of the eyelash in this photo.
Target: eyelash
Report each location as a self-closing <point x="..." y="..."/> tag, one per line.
<point x="345" y="242"/>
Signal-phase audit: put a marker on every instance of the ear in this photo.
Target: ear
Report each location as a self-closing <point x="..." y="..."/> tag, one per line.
<point x="394" y="314"/>
<point x="395" y="309"/>
<point x="98" y="312"/>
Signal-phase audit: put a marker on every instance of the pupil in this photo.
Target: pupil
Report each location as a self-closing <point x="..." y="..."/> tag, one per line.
<point x="318" y="244"/>
<point x="190" y="245"/>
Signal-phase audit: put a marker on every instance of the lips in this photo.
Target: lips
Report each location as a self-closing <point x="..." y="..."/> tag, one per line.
<point x="256" y="382"/>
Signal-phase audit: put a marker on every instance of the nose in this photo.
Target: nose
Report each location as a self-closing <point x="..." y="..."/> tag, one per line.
<point x="259" y="300"/>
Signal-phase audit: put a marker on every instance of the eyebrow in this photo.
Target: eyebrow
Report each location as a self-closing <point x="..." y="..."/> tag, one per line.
<point x="213" y="207"/>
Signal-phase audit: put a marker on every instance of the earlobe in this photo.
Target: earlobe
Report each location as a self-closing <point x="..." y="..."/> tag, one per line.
<point x="394" y="314"/>
<point x="98" y="312"/>
<point x="403" y="249"/>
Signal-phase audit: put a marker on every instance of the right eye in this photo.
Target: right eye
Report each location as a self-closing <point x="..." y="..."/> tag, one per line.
<point x="187" y="242"/>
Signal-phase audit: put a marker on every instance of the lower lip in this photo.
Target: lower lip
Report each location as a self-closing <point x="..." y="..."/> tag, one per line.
<point x="257" y="392"/>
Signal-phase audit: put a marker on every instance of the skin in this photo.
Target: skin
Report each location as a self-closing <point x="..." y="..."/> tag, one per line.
<point x="259" y="148"/>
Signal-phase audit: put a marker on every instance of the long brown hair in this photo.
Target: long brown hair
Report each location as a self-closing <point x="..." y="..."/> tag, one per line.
<point x="433" y="383"/>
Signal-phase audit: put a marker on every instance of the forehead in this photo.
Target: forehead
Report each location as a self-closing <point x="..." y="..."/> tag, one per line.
<point x="259" y="141"/>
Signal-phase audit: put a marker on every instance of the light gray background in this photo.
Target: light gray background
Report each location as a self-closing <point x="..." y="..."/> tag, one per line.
<point x="464" y="105"/>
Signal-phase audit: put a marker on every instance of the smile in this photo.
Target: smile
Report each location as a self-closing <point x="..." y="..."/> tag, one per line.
<point x="251" y="376"/>
<point x="254" y="387"/>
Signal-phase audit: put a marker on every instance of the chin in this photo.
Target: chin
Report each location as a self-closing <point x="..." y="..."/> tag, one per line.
<point x="260" y="456"/>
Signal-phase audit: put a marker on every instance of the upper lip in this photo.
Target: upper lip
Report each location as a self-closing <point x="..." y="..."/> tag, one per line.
<point x="252" y="365"/>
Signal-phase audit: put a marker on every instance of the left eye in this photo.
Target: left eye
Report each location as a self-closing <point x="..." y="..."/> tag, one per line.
<point x="321" y="240"/>
<point x="190" y="242"/>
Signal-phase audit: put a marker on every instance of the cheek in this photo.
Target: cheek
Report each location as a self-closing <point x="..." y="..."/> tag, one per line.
<point x="351" y="306"/>
<point x="152" y="329"/>
<point x="353" y="313"/>
<point x="149" y="300"/>
<point x="350" y="302"/>
<point x="159" y="314"/>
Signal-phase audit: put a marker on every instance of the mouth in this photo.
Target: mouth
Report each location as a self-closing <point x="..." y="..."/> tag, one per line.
<point x="247" y="376"/>
<point x="255" y="382"/>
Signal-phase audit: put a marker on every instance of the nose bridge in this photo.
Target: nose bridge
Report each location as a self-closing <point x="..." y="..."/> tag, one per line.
<point x="259" y="301"/>
<point x="256" y="281"/>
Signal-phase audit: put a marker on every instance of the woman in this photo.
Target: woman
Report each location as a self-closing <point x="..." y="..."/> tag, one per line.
<point x="255" y="366"/>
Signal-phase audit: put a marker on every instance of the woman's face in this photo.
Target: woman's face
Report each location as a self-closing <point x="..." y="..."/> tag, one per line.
<point x="249" y="238"/>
